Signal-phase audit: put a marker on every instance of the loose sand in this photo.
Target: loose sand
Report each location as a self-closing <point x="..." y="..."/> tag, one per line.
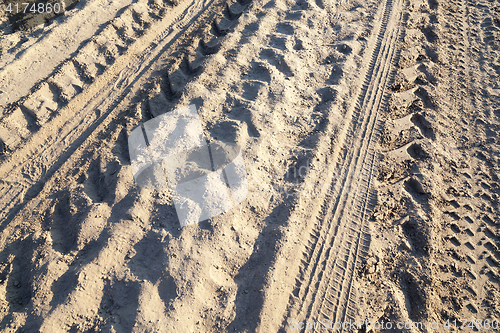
<point x="369" y="133"/>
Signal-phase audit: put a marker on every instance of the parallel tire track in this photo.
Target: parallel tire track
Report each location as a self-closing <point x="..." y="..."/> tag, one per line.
<point x="340" y="238"/>
<point x="91" y="60"/>
<point x="111" y="90"/>
<point x="87" y="78"/>
<point x="22" y="118"/>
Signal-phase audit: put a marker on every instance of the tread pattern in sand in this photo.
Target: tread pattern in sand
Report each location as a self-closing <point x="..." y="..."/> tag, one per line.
<point x="340" y="238"/>
<point x="69" y="78"/>
<point x="438" y="177"/>
<point x="74" y="224"/>
<point x="471" y="213"/>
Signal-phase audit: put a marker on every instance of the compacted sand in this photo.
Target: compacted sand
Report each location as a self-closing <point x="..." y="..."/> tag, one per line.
<point x="369" y="131"/>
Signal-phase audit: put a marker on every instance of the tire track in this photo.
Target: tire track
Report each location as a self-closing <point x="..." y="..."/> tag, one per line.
<point x="27" y="115"/>
<point x="472" y="234"/>
<point x="67" y="235"/>
<point x="179" y="71"/>
<point x="465" y="284"/>
<point x="73" y="75"/>
<point x="46" y="148"/>
<point x="323" y="289"/>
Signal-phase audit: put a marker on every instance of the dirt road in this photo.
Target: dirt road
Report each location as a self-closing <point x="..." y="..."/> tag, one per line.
<point x="369" y="132"/>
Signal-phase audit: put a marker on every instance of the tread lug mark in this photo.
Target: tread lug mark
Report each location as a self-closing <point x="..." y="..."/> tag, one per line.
<point x="211" y="45"/>
<point x="91" y="61"/>
<point x="18" y="123"/>
<point x="125" y="31"/>
<point x="18" y="289"/>
<point x="235" y="10"/>
<point x="110" y="39"/>
<point x="95" y="184"/>
<point x="3" y="147"/>
<point x="195" y="61"/>
<point x="141" y="15"/>
<point x="57" y="223"/>
<point x="41" y="104"/>
<point x="9" y="138"/>
<point x="177" y="79"/>
<point x="67" y="82"/>
<point x="158" y="104"/>
<point x="223" y="25"/>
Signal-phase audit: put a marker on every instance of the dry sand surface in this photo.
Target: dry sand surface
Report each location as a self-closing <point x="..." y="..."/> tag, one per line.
<point x="369" y="132"/>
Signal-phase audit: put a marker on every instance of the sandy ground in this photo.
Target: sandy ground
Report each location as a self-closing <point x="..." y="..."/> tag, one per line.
<point x="369" y="133"/>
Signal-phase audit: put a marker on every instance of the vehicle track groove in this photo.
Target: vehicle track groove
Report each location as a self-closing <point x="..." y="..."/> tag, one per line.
<point x="48" y="145"/>
<point x="324" y="284"/>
